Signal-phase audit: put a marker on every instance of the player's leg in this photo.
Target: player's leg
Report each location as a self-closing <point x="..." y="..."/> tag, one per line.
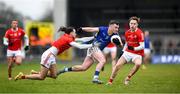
<point x="146" y="59"/>
<point x="10" y="61"/>
<point x="88" y="61"/>
<point x="113" y="56"/>
<point x="137" y="63"/>
<point x="106" y="52"/>
<point x="116" y="68"/>
<point x="34" y="72"/>
<point x="18" y="60"/>
<point x="99" y="56"/>
<point x="40" y="76"/>
<point x="52" y="71"/>
<point x="10" y="65"/>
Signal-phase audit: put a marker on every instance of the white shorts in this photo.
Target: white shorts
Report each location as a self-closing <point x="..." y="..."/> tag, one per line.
<point x="91" y="50"/>
<point x="147" y="51"/>
<point x="130" y="56"/>
<point x="109" y="49"/>
<point x="14" y="53"/>
<point x="48" y="59"/>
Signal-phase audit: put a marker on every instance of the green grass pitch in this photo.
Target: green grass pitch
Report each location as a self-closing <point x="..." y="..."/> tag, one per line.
<point x="157" y="78"/>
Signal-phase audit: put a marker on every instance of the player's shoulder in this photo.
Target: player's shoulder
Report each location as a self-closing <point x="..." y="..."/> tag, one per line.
<point x="139" y="30"/>
<point x="102" y="28"/>
<point x="127" y="31"/>
<point x="67" y="37"/>
<point x="9" y="30"/>
<point x="20" y="29"/>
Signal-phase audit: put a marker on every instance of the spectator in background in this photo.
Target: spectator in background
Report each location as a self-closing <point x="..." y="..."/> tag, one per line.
<point x="13" y="39"/>
<point x="178" y="48"/>
<point x="171" y="47"/>
<point x="147" y="49"/>
<point x="157" y="45"/>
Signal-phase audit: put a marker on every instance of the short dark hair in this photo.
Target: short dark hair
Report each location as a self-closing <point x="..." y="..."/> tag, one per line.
<point x="114" y="22"/>
<point x="66" y="30"/>
<point x="134" y="18"/>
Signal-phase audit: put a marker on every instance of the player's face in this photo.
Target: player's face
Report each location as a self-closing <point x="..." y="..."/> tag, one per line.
<point x="115" y="28"/>
<point x="146" y="33"/>
<point x="133" y="25"/>
<point x="14" y="24"/>
<point x="73" y="33"/>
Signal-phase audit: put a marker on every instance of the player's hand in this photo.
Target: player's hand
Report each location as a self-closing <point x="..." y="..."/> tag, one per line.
<point x="130" y="47"/>
<point x="116" y="41"/>
<point x="121" y="45"/>
<point x="78" y="29"/>
<point x="10" y="44"/>
<point x="26" y="48"/>
<point x="97" y="44"/>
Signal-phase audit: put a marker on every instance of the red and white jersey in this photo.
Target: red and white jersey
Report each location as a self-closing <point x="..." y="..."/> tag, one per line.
<point x="63" y="42"/>
<point x="110" y="45"/>
<point x="133" y="39"/>
<point x="14" y="38"/>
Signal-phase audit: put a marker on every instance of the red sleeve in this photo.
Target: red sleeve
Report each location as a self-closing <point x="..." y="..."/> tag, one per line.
<point x="70" y="40"/>
<point x="141" y="36"/>
<point x="23" y="32"/>
<point x="6" y="34"/>
<point x="126" y="36"/>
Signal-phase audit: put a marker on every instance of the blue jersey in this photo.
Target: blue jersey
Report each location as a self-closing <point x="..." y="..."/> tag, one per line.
<point x="147" y="42"/>
<point x="102" y="37"/>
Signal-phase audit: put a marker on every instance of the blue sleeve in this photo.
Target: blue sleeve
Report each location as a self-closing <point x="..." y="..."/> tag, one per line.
<point x="102" y="28"/>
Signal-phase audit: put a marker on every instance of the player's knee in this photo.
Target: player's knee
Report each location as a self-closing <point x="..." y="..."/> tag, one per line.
<point x="18" y="63"/>
<point x="103" y="61"/>
<point x="84" y="68"/>
<point x="54" y="76"/>
<point x="138" y="64"/>
<point x="41" y="78"/>
<point x="10" y="66"/>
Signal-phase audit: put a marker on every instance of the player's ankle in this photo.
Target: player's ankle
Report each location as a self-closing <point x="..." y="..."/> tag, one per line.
<point x="110" y="80"/>
<point x="23" y="77"/>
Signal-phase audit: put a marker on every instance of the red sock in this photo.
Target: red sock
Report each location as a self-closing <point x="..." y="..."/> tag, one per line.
<point x="111" y="80"/>
<point x="23" y="77"/>
<point x="129" y="76"/>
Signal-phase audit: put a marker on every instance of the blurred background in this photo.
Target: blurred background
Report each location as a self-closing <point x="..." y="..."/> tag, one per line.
<point x="41" y="19"/>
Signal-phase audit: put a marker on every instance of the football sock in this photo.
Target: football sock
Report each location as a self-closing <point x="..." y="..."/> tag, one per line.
<point x="96" y="75"/>
<point x="68" y="69"/>
<point x="111" y="80"/>
<point x="64" y="70"/>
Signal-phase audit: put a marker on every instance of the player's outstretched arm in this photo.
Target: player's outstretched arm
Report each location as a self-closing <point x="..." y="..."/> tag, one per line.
<point x="84" y="39"/>
<point x="80" y="46"/>
<point x="90" y="29"/>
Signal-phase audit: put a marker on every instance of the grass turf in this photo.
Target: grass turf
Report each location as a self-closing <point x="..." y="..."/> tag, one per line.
<point x="157" y="78"/>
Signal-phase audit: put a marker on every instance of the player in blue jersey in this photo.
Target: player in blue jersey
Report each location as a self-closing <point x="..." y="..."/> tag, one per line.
<point x="147" y="49"/>
<point x="103" y="38"/>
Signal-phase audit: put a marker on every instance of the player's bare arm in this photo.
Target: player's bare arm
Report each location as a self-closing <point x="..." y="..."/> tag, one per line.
<point x="90" y="29"/>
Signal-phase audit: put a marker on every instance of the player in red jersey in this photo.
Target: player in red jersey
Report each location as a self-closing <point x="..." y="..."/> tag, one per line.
<point x="133" y="50"/>
<point x="13" y="40"/>
<point x="48" y="61"/>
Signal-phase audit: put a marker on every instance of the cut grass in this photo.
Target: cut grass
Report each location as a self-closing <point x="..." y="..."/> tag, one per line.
<point x="157" y="78"/>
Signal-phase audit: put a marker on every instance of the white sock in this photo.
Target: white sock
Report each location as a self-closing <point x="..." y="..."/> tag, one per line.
<point x="66" y="69"/>
<point x="96" y="77"/>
